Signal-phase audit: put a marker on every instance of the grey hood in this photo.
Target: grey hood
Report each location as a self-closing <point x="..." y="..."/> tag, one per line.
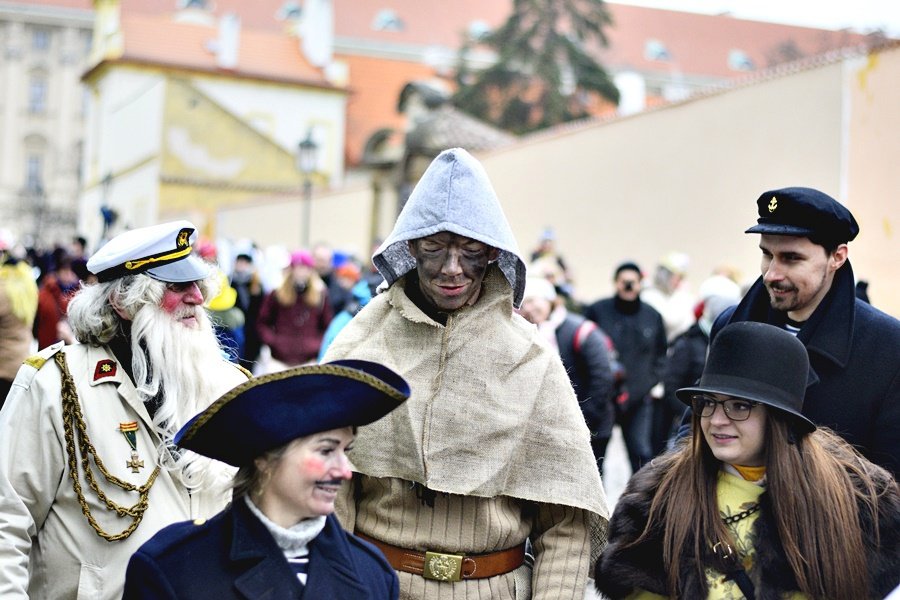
<point x="453" y="195"/>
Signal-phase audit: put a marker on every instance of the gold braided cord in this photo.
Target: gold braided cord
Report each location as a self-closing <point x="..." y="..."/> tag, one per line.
<point x="73" y="418"/>
<point x="131" y="265"/>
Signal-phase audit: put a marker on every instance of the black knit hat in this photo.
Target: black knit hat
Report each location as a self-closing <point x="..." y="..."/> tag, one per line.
<point x="757" y="362"/>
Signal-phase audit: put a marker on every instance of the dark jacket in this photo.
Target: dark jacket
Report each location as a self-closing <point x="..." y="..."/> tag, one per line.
<point x="233" y="556"/>
<point x="620" y="570"/>
<point x="589" y="370"/>
<point x="854" y="352"/>
<point x="640" y="339"/>
<point x="684" y="365"/>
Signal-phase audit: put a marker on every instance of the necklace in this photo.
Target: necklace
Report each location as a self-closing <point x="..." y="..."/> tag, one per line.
<point x="741" y="515"/>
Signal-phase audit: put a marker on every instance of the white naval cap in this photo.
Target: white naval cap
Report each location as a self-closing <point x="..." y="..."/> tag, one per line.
<point x="161" y="251"/>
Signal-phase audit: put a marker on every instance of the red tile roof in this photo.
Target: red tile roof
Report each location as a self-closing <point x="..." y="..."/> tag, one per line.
<point x="443" y="22"/>
<point x="263" y="54"/>
<point x="374" y="92"/>
<point x="700" y="44"/>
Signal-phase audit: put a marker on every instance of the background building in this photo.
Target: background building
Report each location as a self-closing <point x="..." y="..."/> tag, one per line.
<point x="196" y="108"/>
<point x="44" y="47"/>
<point x="212" y="117"/>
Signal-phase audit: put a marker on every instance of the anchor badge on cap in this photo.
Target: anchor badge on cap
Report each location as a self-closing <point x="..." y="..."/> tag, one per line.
<point x="773" y="204"/>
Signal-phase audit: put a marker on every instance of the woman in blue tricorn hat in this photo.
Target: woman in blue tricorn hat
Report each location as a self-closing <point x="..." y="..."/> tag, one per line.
<point x="760" y="503"/>
<point x="288" y="433"/>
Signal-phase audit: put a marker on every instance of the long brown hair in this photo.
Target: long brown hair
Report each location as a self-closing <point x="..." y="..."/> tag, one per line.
<point x="810" y="482"/>
<point x="286" y="294"/>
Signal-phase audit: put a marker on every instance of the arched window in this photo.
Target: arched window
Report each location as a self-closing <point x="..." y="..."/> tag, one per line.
<point x="37" y="93"/>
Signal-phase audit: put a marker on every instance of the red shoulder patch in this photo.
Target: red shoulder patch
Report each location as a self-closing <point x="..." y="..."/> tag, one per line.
<point x="105" y="368"/>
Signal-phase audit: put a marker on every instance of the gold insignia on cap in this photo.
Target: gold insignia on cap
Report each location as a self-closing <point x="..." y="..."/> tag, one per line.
<point x="183" y="237"/>
<point x="773" y="204"/>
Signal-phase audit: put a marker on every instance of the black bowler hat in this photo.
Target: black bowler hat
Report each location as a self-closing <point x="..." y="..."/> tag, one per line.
<point x="804" y="212"/>
<point x="758" y="362"/>
<point x="269" y="411"/>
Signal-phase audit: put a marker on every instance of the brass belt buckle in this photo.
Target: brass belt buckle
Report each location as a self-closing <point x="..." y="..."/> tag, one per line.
<point x="443" y="567"/>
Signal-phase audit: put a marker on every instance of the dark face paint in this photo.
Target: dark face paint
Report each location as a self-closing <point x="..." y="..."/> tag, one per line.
<point x="451" y="268"/>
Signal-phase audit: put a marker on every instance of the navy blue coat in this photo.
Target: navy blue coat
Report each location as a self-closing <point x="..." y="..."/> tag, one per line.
<point x="854" y="355"/>
<point x="233" y="556"/>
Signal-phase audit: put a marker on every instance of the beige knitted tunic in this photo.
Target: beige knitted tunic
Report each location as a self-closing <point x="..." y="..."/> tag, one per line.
<point x="494" y="425"/>
<point x="391" y="511"/>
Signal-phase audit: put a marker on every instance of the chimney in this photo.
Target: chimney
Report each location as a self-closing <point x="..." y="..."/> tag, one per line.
<point x="317" y="32"/>
<point x="226" y="46"/>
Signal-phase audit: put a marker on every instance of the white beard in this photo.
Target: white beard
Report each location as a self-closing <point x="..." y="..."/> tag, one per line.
<point x="174" y="366"/>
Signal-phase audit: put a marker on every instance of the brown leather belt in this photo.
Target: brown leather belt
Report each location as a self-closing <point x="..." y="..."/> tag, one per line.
<point x="451" y="567"/>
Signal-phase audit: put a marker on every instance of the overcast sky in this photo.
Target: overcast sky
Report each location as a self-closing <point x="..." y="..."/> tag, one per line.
<point x="862" y="16"/>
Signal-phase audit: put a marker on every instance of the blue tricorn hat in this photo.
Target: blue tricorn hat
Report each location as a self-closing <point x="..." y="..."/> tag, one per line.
<point x="269" y="411"/>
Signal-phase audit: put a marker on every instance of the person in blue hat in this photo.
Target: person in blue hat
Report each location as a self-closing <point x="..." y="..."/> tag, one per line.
<point x="289" y="434"/>
<point x="807" y="287"/>
<point x="760" y="503"/>
<point x="88" y="470"/>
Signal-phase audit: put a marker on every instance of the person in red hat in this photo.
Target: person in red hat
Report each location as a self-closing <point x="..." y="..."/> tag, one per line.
<point x="88" y="470"/>
<point x="760" y="503"/>
<point x="289" y="434"/>
<point x="294" y="317"/>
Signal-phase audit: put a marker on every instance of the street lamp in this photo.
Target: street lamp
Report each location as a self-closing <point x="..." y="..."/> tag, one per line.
<point x="307" y="151"/>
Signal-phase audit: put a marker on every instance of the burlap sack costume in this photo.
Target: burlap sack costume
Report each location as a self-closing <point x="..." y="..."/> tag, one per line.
<point x="493" y="425"/>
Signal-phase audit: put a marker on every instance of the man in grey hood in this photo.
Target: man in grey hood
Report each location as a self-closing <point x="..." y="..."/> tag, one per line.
<point x="492" y="449"/>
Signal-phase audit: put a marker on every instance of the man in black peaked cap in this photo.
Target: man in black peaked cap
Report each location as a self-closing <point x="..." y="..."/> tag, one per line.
<point x="807" y="288"/>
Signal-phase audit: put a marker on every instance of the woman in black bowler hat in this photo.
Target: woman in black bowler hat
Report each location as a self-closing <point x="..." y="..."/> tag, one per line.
<point x="759" y="503"/>
<point x="288" y="434"/>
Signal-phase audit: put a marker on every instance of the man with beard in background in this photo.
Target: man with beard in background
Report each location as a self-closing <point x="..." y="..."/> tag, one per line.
<point x="88" y="471"/>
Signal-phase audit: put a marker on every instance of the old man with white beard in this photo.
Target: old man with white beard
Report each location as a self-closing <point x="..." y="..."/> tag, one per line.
<point x="88" y="471"/>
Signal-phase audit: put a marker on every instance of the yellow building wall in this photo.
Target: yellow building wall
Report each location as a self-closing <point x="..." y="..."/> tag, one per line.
<point x="209" y="158"/>
<point x="873" y="190"/>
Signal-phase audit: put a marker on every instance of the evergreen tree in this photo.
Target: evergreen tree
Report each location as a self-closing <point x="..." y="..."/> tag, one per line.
<point x="544" y="73"/>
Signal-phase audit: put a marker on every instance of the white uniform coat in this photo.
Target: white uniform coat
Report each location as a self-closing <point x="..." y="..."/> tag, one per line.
<point x="47" y="547"/>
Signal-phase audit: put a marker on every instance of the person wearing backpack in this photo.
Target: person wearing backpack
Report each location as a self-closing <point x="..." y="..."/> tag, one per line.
<point x="586" y="353"/>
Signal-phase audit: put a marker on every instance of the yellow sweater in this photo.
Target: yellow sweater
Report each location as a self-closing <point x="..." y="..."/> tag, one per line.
<point x="734" y="495"/>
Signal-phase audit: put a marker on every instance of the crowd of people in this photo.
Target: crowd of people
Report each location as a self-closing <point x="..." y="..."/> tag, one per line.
<point x="434" y="423"/>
